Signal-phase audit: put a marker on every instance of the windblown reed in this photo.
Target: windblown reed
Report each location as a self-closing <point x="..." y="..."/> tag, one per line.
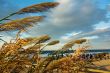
<point x="14" y="58"/>
<point x="38" y="7"/>
<point x="20" y="24"/>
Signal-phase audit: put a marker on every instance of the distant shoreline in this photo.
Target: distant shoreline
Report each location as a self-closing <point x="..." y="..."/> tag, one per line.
<point x="71" y="51"/>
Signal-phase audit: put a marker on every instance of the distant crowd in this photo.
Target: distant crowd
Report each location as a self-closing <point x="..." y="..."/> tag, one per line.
<point x="89" y="56"/>
<point x="98" y="56"/>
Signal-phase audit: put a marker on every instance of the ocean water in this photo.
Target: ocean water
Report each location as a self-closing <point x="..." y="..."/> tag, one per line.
<point x="71" y="51"/>
<point x="47" y="52"/>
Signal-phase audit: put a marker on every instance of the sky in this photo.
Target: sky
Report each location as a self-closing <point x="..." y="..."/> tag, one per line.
<point x="72" y="19"/>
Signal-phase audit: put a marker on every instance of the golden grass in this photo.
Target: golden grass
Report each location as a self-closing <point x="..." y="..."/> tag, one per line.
<point x="38" y="7"/>
<point x="72" y="43"/>
<point x="14" y="54"/>
<point x="102" y="62"/>
<point x="15" y="59"/>
<point x="53" y="42"/>
<point x="20" y="24"/>
<point x="99" y="71"/>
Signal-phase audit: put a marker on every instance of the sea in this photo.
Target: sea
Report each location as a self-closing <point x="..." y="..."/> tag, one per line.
<point x="93" y="51"/>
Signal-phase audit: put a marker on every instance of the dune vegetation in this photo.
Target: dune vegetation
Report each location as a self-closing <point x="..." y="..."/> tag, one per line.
<point x="14" y="58"/>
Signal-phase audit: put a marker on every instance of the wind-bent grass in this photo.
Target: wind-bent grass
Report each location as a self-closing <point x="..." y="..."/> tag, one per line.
<point x="20" y="24"/>
<point x="15" y="59"/>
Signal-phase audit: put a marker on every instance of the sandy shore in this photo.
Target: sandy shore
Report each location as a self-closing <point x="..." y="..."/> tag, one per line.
<point x="105" y="64"/>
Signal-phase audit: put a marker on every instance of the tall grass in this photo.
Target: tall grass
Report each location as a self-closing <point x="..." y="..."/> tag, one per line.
<point x="14" y="58"/>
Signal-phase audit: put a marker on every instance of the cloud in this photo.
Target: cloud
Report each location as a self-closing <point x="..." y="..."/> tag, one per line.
<point x="102" y="25"/>
<point x="98" y="31"/>
<point x="71" y="15"/>
<point x="69" y="35"/>
<point x="91" y="37"/>
<point x="77" y="13"/>
<point x="91" y="33"/>
<point x="99" y="39"/>
<point x="74" y="19"/>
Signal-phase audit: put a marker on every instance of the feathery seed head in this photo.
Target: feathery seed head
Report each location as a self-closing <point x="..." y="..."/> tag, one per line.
<point x="68" y="45"/>
<point x="38" y="7"/>
<point x="20" y="24"/>
<point x="53" y="42"/>
<point x="80" y="41"/>
<point x="43" y="38"/>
